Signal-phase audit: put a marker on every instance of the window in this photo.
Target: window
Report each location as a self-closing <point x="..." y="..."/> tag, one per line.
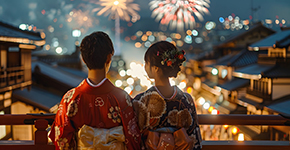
<point x="2" y="128"/>
<point x="261" y="85"/>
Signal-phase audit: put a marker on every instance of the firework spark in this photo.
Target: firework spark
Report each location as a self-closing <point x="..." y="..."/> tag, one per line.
<point x="122" y="8"/>
<point x="79" y="19"/>
<point x="178" y="13"/>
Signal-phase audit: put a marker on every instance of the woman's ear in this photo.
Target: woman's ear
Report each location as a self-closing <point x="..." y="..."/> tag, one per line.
<point x="109" y="58"/>
<point x="83" y="59"/>
<point x="156" y="69"/>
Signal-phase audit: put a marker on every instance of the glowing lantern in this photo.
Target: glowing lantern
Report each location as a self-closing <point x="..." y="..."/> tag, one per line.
<point x="210" y="109"/>
<point x="235" y="130"/>
<point x="241" y="137"/>
<point x="189" y="90"/>
<point x="226" y="126"/>
<point x="215" y="112"/>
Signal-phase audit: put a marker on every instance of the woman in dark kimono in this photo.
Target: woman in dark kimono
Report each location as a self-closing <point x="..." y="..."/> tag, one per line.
<point x="164" y="108"/>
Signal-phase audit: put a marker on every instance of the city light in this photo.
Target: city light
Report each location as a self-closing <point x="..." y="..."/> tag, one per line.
<point x="201" y="101"/>
<point x="215" y="112"/>
<point x="189" y="90"/>
<point x="241" y="137"/>
<point x="235" y="130"/>
<point x="118" y="83"/>
<point x="214" y="71"/>
<point x="122" y="73"/>
<point x="222" y="20"/>
<point x="210" y="109"/>
<point x="206" y="105"/>
<point x="76" y="33"/>
<point x="130" y="81"/>
<point x="182" y="85"/>
<point x="224" y="73"/>
<point x="194" y="33"/>
<point x="58" y="50"/>
<point x="128" y="90"/>
<point x="23" y="26"/>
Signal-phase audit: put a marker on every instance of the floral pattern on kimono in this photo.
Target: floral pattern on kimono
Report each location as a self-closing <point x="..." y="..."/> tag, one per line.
<point x="178" y="112"/>
<point x="104" y="106"/>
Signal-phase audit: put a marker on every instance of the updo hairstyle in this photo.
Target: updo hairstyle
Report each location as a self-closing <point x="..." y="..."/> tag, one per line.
<point x="165" y="56"/>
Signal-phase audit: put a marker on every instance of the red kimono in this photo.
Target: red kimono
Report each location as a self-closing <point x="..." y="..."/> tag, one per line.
<point x="104" y="106"/>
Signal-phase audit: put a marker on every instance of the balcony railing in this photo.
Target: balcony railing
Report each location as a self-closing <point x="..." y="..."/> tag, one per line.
<point x="41" y="122"/>
<point x="260" y="94"/>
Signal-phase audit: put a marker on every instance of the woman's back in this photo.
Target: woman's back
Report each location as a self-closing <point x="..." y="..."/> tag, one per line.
<point x="155" y="113"/>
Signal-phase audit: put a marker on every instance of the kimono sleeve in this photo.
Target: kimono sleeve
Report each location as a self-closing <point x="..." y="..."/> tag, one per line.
<point x="131" y="129"/>
<point x="62" y="131"/>
<point x="194" y="130"/>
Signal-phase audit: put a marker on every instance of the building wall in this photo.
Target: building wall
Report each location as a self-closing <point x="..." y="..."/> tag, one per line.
<point x="21" y="132"/>
<point x="25" y="58"/>
<point x="281" y="87"/>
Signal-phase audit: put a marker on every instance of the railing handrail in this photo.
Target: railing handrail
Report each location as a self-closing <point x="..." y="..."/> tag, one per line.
<point x="243" y="119"/>
<point x="232" y="119"/>
<point x="41" y="121"/>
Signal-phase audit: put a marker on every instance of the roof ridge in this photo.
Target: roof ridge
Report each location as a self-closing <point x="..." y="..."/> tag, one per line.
<point x="238" y="56"/>
<point x="19" y="30"/>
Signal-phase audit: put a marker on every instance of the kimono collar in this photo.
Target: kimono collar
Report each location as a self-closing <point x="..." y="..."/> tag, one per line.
<point x="95" y="85"/>
<point x="104" y="87"/>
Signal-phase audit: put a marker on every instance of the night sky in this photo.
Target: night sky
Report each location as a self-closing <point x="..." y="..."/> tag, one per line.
<point x="31" y="12"/>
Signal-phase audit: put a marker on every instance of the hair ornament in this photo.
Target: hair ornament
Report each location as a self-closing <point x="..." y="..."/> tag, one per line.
<point x="172" y="56"/>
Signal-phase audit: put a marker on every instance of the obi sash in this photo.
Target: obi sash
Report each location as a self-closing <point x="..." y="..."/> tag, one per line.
<point x="90" y="138"/>
<point x="169" y="139"/>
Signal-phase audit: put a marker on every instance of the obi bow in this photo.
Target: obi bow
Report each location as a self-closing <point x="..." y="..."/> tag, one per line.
<point x="90" y="138"/>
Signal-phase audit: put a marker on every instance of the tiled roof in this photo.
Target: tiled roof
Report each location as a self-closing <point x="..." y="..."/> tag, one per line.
<point x="255" y="69"/>
<point x="241" y="59"/>
<point x="7" y="30"/>
<point x="57" y="74"/>
<point x="242" y="33"/>
<point x="281" y="105"/>
<point x="37" y="97"/>
<point x="279" y="71"/>
<point x="272" y="39"/>
<point x="246" y="58"/>
<point x="234" y="84"/>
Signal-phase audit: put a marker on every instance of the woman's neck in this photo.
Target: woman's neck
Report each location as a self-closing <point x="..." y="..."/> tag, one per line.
<point x="164" y="87"/>
<point x="96" y="75"/>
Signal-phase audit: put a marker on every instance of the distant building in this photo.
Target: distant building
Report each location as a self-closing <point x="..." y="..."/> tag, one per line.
<point x="269" y="92"/>
<point x="70" y="61"/>
<point x="15" y="73"/>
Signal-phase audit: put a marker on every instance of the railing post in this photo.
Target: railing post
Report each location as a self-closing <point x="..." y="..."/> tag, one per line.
<point x="41" y="133"/>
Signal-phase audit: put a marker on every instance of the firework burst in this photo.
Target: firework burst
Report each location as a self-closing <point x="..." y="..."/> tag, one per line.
<point x="178" y="13"/>
<point x="123" y="8"/>
<point x="79" y="19"/>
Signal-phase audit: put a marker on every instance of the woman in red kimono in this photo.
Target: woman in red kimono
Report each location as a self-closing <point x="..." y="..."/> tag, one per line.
<point x="96" y="114"/>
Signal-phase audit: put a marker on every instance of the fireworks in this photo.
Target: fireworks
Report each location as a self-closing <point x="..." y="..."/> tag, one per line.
<point x="122" y="8"/>
<point x="79" y="19"/>
<point x="178" y="13"/>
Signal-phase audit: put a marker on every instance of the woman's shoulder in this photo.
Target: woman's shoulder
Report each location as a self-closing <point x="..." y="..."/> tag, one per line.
<point x="184" y="96"/>
<point x="138" y="96"/>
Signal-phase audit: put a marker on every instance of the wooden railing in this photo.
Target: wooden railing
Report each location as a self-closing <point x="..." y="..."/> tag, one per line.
<point x="41" y="122"/>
